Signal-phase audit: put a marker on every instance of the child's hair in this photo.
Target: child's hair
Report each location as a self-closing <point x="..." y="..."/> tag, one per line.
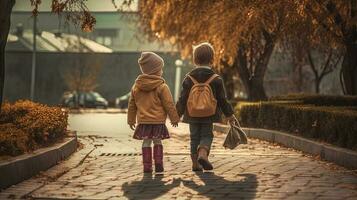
<point x="203" y="54"/>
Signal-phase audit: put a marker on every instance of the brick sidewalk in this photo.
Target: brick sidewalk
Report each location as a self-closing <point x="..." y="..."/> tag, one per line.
<point x="259" y="170"/>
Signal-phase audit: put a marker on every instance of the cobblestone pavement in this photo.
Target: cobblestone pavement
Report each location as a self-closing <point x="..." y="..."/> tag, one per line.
<point x="106" y="169"/>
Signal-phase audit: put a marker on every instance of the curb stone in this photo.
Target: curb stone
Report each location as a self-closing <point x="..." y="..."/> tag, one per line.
<point x="340" y="156"/>
<point x="24" y="189"/>
<point x="25" y="166"/>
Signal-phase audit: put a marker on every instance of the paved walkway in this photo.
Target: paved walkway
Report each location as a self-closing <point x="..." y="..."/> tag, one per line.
<point x="110" y="168"/>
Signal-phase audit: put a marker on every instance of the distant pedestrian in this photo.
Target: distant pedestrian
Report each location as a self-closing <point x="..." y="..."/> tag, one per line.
<point x="201" y="102"/>
<point x="150" y="103"/>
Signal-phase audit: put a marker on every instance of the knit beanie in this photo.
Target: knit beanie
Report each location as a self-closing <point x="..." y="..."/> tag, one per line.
<point x="150" y="63"/>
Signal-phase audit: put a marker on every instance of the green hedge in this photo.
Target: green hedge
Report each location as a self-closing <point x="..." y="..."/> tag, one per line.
<point x="319" y="100"/>
<point x="335" y="125"/>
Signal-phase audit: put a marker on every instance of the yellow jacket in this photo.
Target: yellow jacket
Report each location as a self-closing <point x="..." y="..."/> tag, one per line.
<point x="151" y="101"/>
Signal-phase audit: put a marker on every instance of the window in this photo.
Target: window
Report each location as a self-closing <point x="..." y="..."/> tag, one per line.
<point x="106" y="36"/>
<point x="107" y="41"/>
<point x="90" y="97"/>
<point x="99" y="39"/>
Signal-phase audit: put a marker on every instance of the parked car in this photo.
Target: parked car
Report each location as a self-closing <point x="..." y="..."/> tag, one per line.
<point x="84" y="99"/>
<point x="123" y="101"/>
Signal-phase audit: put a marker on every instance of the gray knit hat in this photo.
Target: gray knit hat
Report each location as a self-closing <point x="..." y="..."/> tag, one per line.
<point x="150" y="63"/>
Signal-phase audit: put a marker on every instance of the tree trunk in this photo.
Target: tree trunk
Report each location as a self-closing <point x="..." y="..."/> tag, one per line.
<point x="299" y="79"/>
<point x="227" y="75"/>
<point x="5" y="13"/>
<point x="349" y="69"/>
<point x="255" y="89"/>
<point x="254" y="82"/>
<point x="349" y="63"/>
<point x="317" y="85"/>
<point x="253" y="85"/>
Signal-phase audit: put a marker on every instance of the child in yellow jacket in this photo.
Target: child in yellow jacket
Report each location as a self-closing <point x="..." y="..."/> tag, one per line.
<point x="150" y="103"/>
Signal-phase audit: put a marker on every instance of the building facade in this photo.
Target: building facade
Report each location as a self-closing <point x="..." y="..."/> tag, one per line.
<point x="118" y="30"/>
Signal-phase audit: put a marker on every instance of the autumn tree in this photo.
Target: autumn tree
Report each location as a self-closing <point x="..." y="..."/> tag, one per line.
<point x="338" y="20"/>
<point x="75" y="11"/>
<point x="298" y="70"/>
<point x="243" y="33"/>
<point x="324" y="66"/>
<point x="308" y="45"/>
<point x="82" y="76"/>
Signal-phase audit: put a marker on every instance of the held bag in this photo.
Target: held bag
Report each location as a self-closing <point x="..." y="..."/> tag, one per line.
<point x="201" y="101"/>
<point x="235" y="136"/>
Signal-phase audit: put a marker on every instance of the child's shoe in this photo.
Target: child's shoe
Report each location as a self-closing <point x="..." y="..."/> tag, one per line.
<point x="158" y="158"/>
<point x="147" y="159"/>
<point x="196" y="167"/>
<point x="203" y="158"/>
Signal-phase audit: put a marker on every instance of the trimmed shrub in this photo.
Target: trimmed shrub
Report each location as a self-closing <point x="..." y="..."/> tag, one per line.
<point x="25" y="126"/>
<point x="319" y="100"/>
<point x="335" y="125"/>
<point x="13" y="141"/>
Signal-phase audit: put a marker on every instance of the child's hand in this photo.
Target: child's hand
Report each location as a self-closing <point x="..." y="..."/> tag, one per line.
<point x="132" y="126"/>
<point x="174" y="124"/>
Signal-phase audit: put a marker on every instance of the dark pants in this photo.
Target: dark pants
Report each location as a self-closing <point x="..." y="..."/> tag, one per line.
<point x="201" y="134"/>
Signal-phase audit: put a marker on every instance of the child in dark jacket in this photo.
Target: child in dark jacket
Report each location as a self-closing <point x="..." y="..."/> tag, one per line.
<point x="201" y="128"/>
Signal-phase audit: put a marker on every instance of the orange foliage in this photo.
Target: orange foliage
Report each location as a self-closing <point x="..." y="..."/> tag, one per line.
<point x="25" y="125"/>
<point x="226" y="24"/>
<point x="13" y="141"/>
<point x="243" y="33"/>
<point x="75" y="11"/>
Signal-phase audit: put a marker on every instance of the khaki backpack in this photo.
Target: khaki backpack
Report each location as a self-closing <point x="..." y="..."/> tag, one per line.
<point x="201" y="100"/>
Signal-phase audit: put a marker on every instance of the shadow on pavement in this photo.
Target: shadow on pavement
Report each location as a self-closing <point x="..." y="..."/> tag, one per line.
<point x="216" y="187"/>
<point x="149" y="187"/>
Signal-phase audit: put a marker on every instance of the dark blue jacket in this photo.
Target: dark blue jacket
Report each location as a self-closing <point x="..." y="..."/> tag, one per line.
<point x="202" y="75"/>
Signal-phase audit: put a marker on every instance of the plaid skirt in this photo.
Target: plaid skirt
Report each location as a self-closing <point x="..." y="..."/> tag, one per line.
<point x="151" y="131"/>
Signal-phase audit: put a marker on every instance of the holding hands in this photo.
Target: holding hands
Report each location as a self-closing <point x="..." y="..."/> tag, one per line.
<point x="174" y="124"/>
<point x="132" y="126"/>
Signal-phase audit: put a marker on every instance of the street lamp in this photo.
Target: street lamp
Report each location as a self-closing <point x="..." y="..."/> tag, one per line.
<point x="178" y="64"/>
<point x="33" y="67"/>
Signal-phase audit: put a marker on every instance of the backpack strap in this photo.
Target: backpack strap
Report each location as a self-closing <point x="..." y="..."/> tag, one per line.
<point x="211" y="78"/>
<point x="193" y="80"/>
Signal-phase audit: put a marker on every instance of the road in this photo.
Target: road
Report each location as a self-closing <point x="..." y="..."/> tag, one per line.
<point x="104" y="124"/>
